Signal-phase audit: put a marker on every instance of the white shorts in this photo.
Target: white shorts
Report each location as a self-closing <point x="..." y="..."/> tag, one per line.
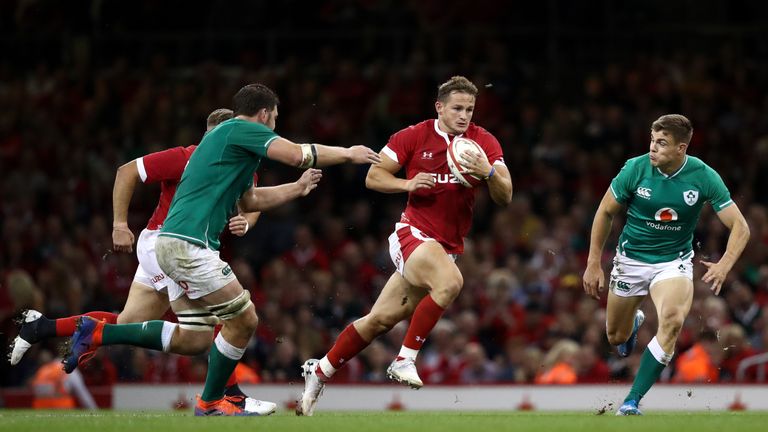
<point x="198" y="270"/>
<point x="148" y="273"/>
<point x="403" y="242"/>
<point x="632" y="278"/>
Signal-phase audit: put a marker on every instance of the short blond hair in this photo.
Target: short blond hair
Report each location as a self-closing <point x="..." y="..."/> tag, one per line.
<point x="218" y="116"/>
<point x="455" y="84"/>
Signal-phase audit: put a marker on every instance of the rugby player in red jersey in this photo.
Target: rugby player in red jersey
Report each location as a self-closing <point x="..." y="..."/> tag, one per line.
<point x="427" y="239"/>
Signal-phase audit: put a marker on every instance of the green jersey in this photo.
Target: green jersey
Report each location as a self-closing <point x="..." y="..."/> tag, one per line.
<point x="663" y="210"/>
<point x="217" y="174"/>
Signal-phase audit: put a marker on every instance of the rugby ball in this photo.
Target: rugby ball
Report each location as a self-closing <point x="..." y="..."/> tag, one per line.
<point x="455" y="149"/>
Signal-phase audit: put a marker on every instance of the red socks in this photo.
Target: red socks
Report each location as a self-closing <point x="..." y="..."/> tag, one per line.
<point x="66" y="326"/>
<point x="426" y="315"/>
<point x="348" y="345"/>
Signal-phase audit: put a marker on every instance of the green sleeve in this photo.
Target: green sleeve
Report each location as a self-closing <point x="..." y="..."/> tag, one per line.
<point x="622" y="184"/>
<point x="717" y="192"/>
<point x="253" y="137"/>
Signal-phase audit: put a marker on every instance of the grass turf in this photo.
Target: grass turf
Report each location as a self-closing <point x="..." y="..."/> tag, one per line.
<point x="419" y="421"/>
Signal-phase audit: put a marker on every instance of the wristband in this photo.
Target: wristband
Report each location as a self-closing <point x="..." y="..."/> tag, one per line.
<point x="490" y="174"/>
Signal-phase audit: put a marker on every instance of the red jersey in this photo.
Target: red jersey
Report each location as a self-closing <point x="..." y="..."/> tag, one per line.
<point x="165" y="167"/>
<point x="443" y="212"/>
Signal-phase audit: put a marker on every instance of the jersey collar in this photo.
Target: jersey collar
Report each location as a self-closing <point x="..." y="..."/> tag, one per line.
<point x="679" y="170"/>
<point x="443" y="134"/>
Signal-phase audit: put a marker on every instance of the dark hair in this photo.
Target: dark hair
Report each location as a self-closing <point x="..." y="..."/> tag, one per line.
<point x="455" y="84"/>
<point x="218" y="116"/>
<point x="252" y="98"/>
<point x="677" y="125"/>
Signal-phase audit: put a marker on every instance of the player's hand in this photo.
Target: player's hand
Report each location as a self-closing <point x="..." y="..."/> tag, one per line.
<point x="361" y="155"/>
<point x="716" y="273"/>
<point x="420" y="181"/>
<point x="475" y="163"/>
<point x="309" y="180"/>
<point x="594" y="281"/>
<point x="122" y="239"/>
<point x="238" y="225"/>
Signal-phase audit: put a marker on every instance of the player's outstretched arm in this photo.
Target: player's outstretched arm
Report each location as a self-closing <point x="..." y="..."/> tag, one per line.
<point x="716" y="273"/>
<point x="381" y="178"/>
<point x="594" y="278"/>
<point x="317" y="155"/>
<point x="259" y="199"/>
<point x="125" y="183"/>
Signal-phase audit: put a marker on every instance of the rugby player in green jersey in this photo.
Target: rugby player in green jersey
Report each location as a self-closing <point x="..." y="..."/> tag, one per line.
<point x="664" y="192"/>
<point x="217" y="179"/>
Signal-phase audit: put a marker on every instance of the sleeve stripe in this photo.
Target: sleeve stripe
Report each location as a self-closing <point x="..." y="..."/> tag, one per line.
<point x="142" y="169"/>
<point x="729" y="202"/>
<point x="389" y="152"/>
<point x="269" y="141"/>
<point x="499" y="161"/>
<point x="615" y="195"/>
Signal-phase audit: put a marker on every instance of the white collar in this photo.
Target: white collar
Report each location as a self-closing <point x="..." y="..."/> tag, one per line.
<point x="443" y="134"/>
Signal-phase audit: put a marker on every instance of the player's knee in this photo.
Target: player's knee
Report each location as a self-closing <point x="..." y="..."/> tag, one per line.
<point x="448" y="288"/>
<point x="250" y="319"/>
<point x="671" y="320"/>
<point x="245" y="323"/>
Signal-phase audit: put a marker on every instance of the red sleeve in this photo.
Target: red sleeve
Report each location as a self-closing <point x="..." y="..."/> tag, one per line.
<point x="163" y="165"/>
<point x="491" y="147"/>
<point x="400" y="145"/>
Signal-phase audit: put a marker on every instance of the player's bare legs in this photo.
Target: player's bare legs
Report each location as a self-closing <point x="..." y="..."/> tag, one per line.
<point x="672" y="298"/>
<point x="143" y="304"/>
<point x="430" y="267"/>
<point x="621" y="321"/>
<point x="396" y="302"/>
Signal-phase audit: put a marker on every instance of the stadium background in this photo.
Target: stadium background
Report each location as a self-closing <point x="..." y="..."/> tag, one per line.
<point x="569" y="89"/>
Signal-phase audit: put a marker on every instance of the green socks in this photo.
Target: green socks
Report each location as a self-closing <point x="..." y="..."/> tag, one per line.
<point x="649" y="371"/>
<point x="222" y="361"/>
<point x="148" y="334"/>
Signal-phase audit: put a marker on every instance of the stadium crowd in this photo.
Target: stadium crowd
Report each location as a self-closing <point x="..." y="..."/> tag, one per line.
<point x="313" y="265"/>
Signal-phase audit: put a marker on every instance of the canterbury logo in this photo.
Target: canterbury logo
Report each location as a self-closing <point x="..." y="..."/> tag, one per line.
<point x="644" y="192"/>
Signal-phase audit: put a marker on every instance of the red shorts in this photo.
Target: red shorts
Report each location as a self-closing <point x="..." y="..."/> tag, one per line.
<point x="403" y="242"/>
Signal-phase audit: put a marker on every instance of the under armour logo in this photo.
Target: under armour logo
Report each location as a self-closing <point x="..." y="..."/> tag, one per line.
<point x="426" y="155"/>
<point x="420" y="339"/>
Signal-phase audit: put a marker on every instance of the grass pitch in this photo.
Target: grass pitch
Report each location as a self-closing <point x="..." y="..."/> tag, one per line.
<point x="418" y="421"/>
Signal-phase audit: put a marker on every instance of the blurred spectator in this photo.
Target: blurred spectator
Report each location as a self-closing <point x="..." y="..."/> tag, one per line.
<point x="699" y="364"/>
<point x="560" y="364"/>
<point x="562" y="135"/>
<point x="54" y="389"/>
